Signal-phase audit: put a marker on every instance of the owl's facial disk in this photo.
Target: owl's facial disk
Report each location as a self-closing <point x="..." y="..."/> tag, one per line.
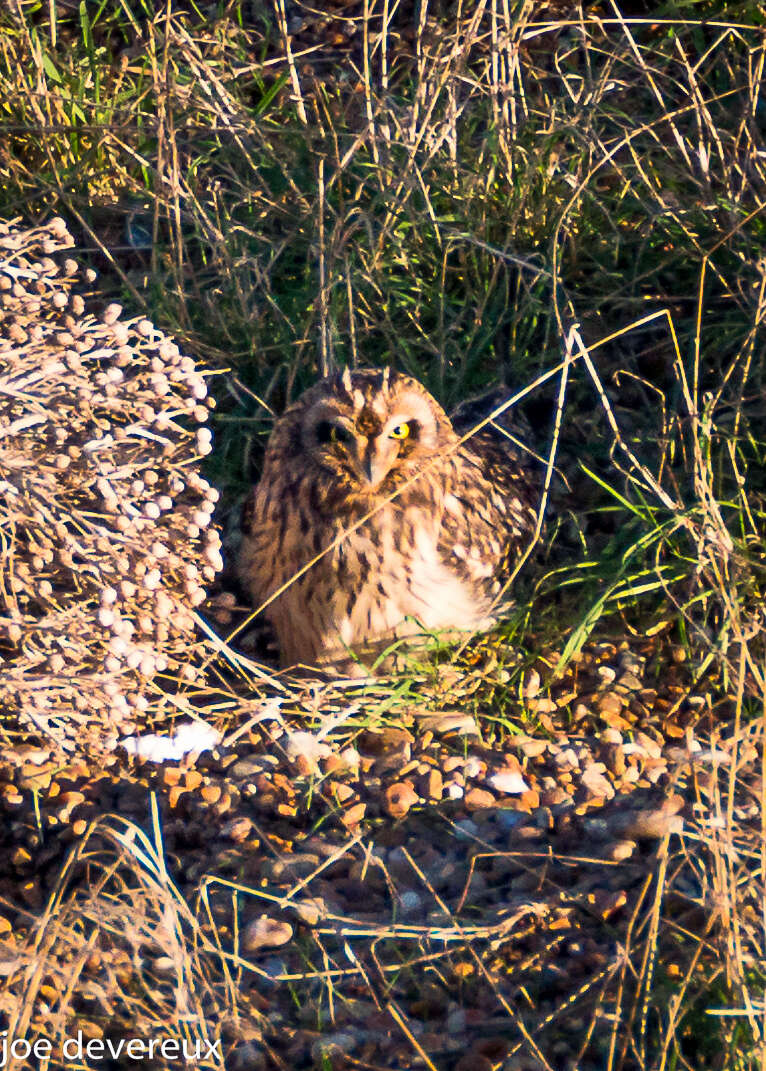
<point x="368" y="453"/>
<point x="370" y="444"/>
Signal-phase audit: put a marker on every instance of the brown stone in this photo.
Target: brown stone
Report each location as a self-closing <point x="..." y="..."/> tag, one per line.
<point x="614" y="759"/>
<point x="265" y="932"/>
<point x="237" y="829"/>
<point x="610" y="703"/>
<point x="533" y="748"/>
<point x="353" y="815"/>
<point x="435" y="785"/>
<point x="193" y="779"/>
<point x="399" y="797"/>
<point x="341" y="791"/>
<point x="175" y="794"/>
<point x="529" y="800"/>
<point x="373" y="742"/>
<point x="211" y="793"/>
<point x="479" y="799"/>
<point x="620" y="850"/>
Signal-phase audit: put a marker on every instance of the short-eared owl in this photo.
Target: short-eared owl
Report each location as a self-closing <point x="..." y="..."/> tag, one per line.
<point x="434" y="555"/>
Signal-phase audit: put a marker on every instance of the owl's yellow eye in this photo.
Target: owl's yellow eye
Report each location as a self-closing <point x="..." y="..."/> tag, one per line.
<point x="401" y="431"/>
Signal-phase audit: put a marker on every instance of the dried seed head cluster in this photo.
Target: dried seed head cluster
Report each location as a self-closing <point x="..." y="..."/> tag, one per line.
<point x="106" y="542"/>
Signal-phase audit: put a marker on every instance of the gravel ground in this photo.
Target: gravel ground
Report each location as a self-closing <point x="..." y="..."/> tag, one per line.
<point x="396" y="895"/>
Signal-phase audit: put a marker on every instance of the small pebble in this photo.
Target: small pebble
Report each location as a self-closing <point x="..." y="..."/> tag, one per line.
<point x="507" y="781"/>
<point x="265" y="932"/>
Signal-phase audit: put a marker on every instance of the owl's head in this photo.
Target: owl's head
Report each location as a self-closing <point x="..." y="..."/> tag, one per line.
<point x="362" y="434"/>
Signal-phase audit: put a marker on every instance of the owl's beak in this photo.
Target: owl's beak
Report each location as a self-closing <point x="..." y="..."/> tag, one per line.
<point x="374" y="467"/>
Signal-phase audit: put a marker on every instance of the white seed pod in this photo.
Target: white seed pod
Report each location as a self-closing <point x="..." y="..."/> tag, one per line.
<point x="127" y="589"/>
<point x="163" y="605"/>
<point x="145" y="328"/>
<point x="169" y="351"/>
<point x="160" y="384"/>
<point x="152" y="580"/>
<point x="133" y="661"/>
<point x="120" y="704"/>
<point x="213" y="555"/>
<point x="105" y="617"/>
<point x="58" y="228"/>
<point x="198" y="387"/>
<point x="152" y="510"/>
<point x="108" y="596"/>
<point x="148" y="666"/>
<point x="45" y="588"/>
<point x="118" y="647"/>
<point x="111" y="313"/>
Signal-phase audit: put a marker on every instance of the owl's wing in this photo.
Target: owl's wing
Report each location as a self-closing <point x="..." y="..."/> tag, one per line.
<point x="471" y="412"/>
<point x="490" y="515"/>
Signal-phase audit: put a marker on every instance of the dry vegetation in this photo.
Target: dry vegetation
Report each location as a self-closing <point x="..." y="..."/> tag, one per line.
<point x="573" y="200"/>
<point x="105" y="535"/>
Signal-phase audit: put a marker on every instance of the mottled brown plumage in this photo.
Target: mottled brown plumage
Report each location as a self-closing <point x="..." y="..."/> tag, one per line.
<point x="434" y="557"/>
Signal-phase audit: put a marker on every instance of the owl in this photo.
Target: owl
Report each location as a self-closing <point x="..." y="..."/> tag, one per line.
<point x="412" y="530"/>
